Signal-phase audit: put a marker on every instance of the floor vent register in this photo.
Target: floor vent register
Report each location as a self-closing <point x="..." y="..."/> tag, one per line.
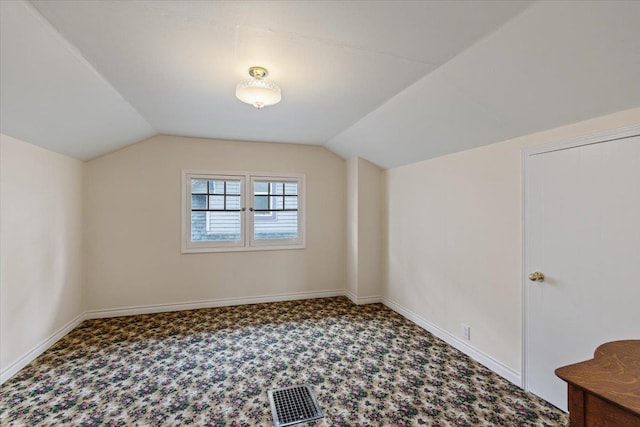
<point x="293" y="405"/>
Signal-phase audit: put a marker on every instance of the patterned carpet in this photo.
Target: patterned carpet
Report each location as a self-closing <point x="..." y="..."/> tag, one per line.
<point x="367" y="365"/>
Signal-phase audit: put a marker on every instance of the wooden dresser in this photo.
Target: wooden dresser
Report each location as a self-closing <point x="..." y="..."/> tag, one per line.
<point x="605" y="391"/>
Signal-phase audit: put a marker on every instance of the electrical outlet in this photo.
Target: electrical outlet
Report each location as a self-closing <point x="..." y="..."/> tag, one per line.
<point x="466" y="332"/>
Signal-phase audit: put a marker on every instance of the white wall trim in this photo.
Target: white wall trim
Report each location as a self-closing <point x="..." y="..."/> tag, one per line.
<point x="222" y="302"/>
<point x="32" y="354"/>
<point x="36" y="351"/>
<point x="352" y="297"/>
<point x="362" y="300"/>
<point x="592" y="138"/>
<point x="471" y="351"/>
<point x="523" y="299"/>
<point x="452" y="340"/>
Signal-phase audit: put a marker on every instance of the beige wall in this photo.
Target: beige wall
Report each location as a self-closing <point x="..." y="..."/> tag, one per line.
<point x="133" y="214"/>
<point x="352" y="226"/>
<point x="445" y="234"/>
<point x="370" y="207"/>
<point x="41" y="254"/>
<point x="454" y="238"/>
<point x="364" y="228"/>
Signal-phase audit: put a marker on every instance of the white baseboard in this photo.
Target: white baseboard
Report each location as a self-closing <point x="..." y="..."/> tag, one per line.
<point x="222" y="302"/>
<point x="362" y="300"/>
<point x="474" y="353"/>
<point x="36" y="351"/>
<point x="27" y="358"/>
<point x="454" y="341"/>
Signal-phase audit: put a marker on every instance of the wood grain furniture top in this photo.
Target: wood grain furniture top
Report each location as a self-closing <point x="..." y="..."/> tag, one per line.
<point x="613" y="374"/>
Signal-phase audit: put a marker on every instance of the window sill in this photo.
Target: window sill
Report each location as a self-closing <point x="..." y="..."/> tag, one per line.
<point x="199" y="250"/>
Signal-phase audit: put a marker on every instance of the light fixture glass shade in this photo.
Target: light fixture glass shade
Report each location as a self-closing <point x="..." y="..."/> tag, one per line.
<point x="258" y="92"/>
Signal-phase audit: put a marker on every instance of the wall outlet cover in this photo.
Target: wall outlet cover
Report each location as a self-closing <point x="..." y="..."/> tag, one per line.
<point x="466" y="332"/>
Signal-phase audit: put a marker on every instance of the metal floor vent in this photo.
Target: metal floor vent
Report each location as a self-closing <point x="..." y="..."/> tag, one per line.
<point x="293" y="405"/>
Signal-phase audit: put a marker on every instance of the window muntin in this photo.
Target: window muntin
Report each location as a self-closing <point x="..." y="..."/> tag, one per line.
<point x="242" y="211"/>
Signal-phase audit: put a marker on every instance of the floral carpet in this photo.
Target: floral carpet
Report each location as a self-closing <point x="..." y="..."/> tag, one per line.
<point x="367" y="365"/>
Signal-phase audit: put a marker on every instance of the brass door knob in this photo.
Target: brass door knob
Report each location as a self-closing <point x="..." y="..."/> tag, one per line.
<point x="536" y="276"/>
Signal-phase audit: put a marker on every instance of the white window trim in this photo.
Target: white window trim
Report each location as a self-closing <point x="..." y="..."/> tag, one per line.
<point x="247" y="242"/>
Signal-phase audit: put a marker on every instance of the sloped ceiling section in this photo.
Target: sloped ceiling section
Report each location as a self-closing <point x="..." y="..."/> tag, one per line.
<point x="50" y="96"/>
<point x="393" y="82"/>
<point x="177" y="62"/>
<point x="554" y="64"/>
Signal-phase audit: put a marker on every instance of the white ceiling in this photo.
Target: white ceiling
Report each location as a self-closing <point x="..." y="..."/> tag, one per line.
<point x="50" y="96"/>
<point x="556" y="63"/>
<point x="393" y="82"/>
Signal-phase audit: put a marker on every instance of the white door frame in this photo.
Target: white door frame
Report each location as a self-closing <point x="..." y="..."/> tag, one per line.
<point x="595" y="138"/>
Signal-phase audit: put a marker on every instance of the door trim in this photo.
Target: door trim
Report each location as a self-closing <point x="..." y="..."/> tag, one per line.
<point x="594" y="138"/>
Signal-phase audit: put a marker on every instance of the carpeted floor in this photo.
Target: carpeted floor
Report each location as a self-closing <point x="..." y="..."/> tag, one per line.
<point x="367" y="365"/>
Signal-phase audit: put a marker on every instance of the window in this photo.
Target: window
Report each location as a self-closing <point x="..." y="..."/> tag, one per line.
<point x="242" y="211"/>
<point x="216" y="210"/>
<point x="275" y="210"/>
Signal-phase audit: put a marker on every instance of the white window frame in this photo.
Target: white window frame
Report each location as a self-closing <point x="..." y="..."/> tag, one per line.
<point x="187" y="244"/>
<point x="251" y="223"/>
<point x="247" y="242"/>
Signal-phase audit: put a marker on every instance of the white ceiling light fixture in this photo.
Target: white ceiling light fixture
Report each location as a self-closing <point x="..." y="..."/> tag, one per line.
<point x="258" y="91"/>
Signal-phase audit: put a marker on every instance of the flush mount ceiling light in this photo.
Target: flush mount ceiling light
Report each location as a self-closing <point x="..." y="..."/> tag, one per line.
<point x="258" y="91"/>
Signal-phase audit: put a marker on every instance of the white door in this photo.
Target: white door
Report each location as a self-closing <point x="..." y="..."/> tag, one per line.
<point x="582" y="231"/>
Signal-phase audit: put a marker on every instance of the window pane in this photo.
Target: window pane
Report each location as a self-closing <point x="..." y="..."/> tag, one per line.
<point x="277" y="187"/>
<point x="291" y="202"/>
<point x="233" y="202"/>
<point x="198" y="226"/>
<point x="291" y="188"/>
<point x="216" y="187"/>
<point x="233" y="187"/>
<point x="198" y="186"/>
<point x="261" y="202"/>
<point x="215" y="226"/>
<point x="260" y="187"/>
<point x="283" y="225"/>
<point x="216" y="202"/>
<point x="277" y="202"/>
<point x="198" y="201"/>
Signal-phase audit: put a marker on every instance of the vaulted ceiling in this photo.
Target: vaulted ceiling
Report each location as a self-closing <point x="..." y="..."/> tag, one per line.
<point x="393" y="82"/>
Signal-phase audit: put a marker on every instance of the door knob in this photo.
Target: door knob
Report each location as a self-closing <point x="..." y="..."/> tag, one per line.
<point x="536" y="276"/>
